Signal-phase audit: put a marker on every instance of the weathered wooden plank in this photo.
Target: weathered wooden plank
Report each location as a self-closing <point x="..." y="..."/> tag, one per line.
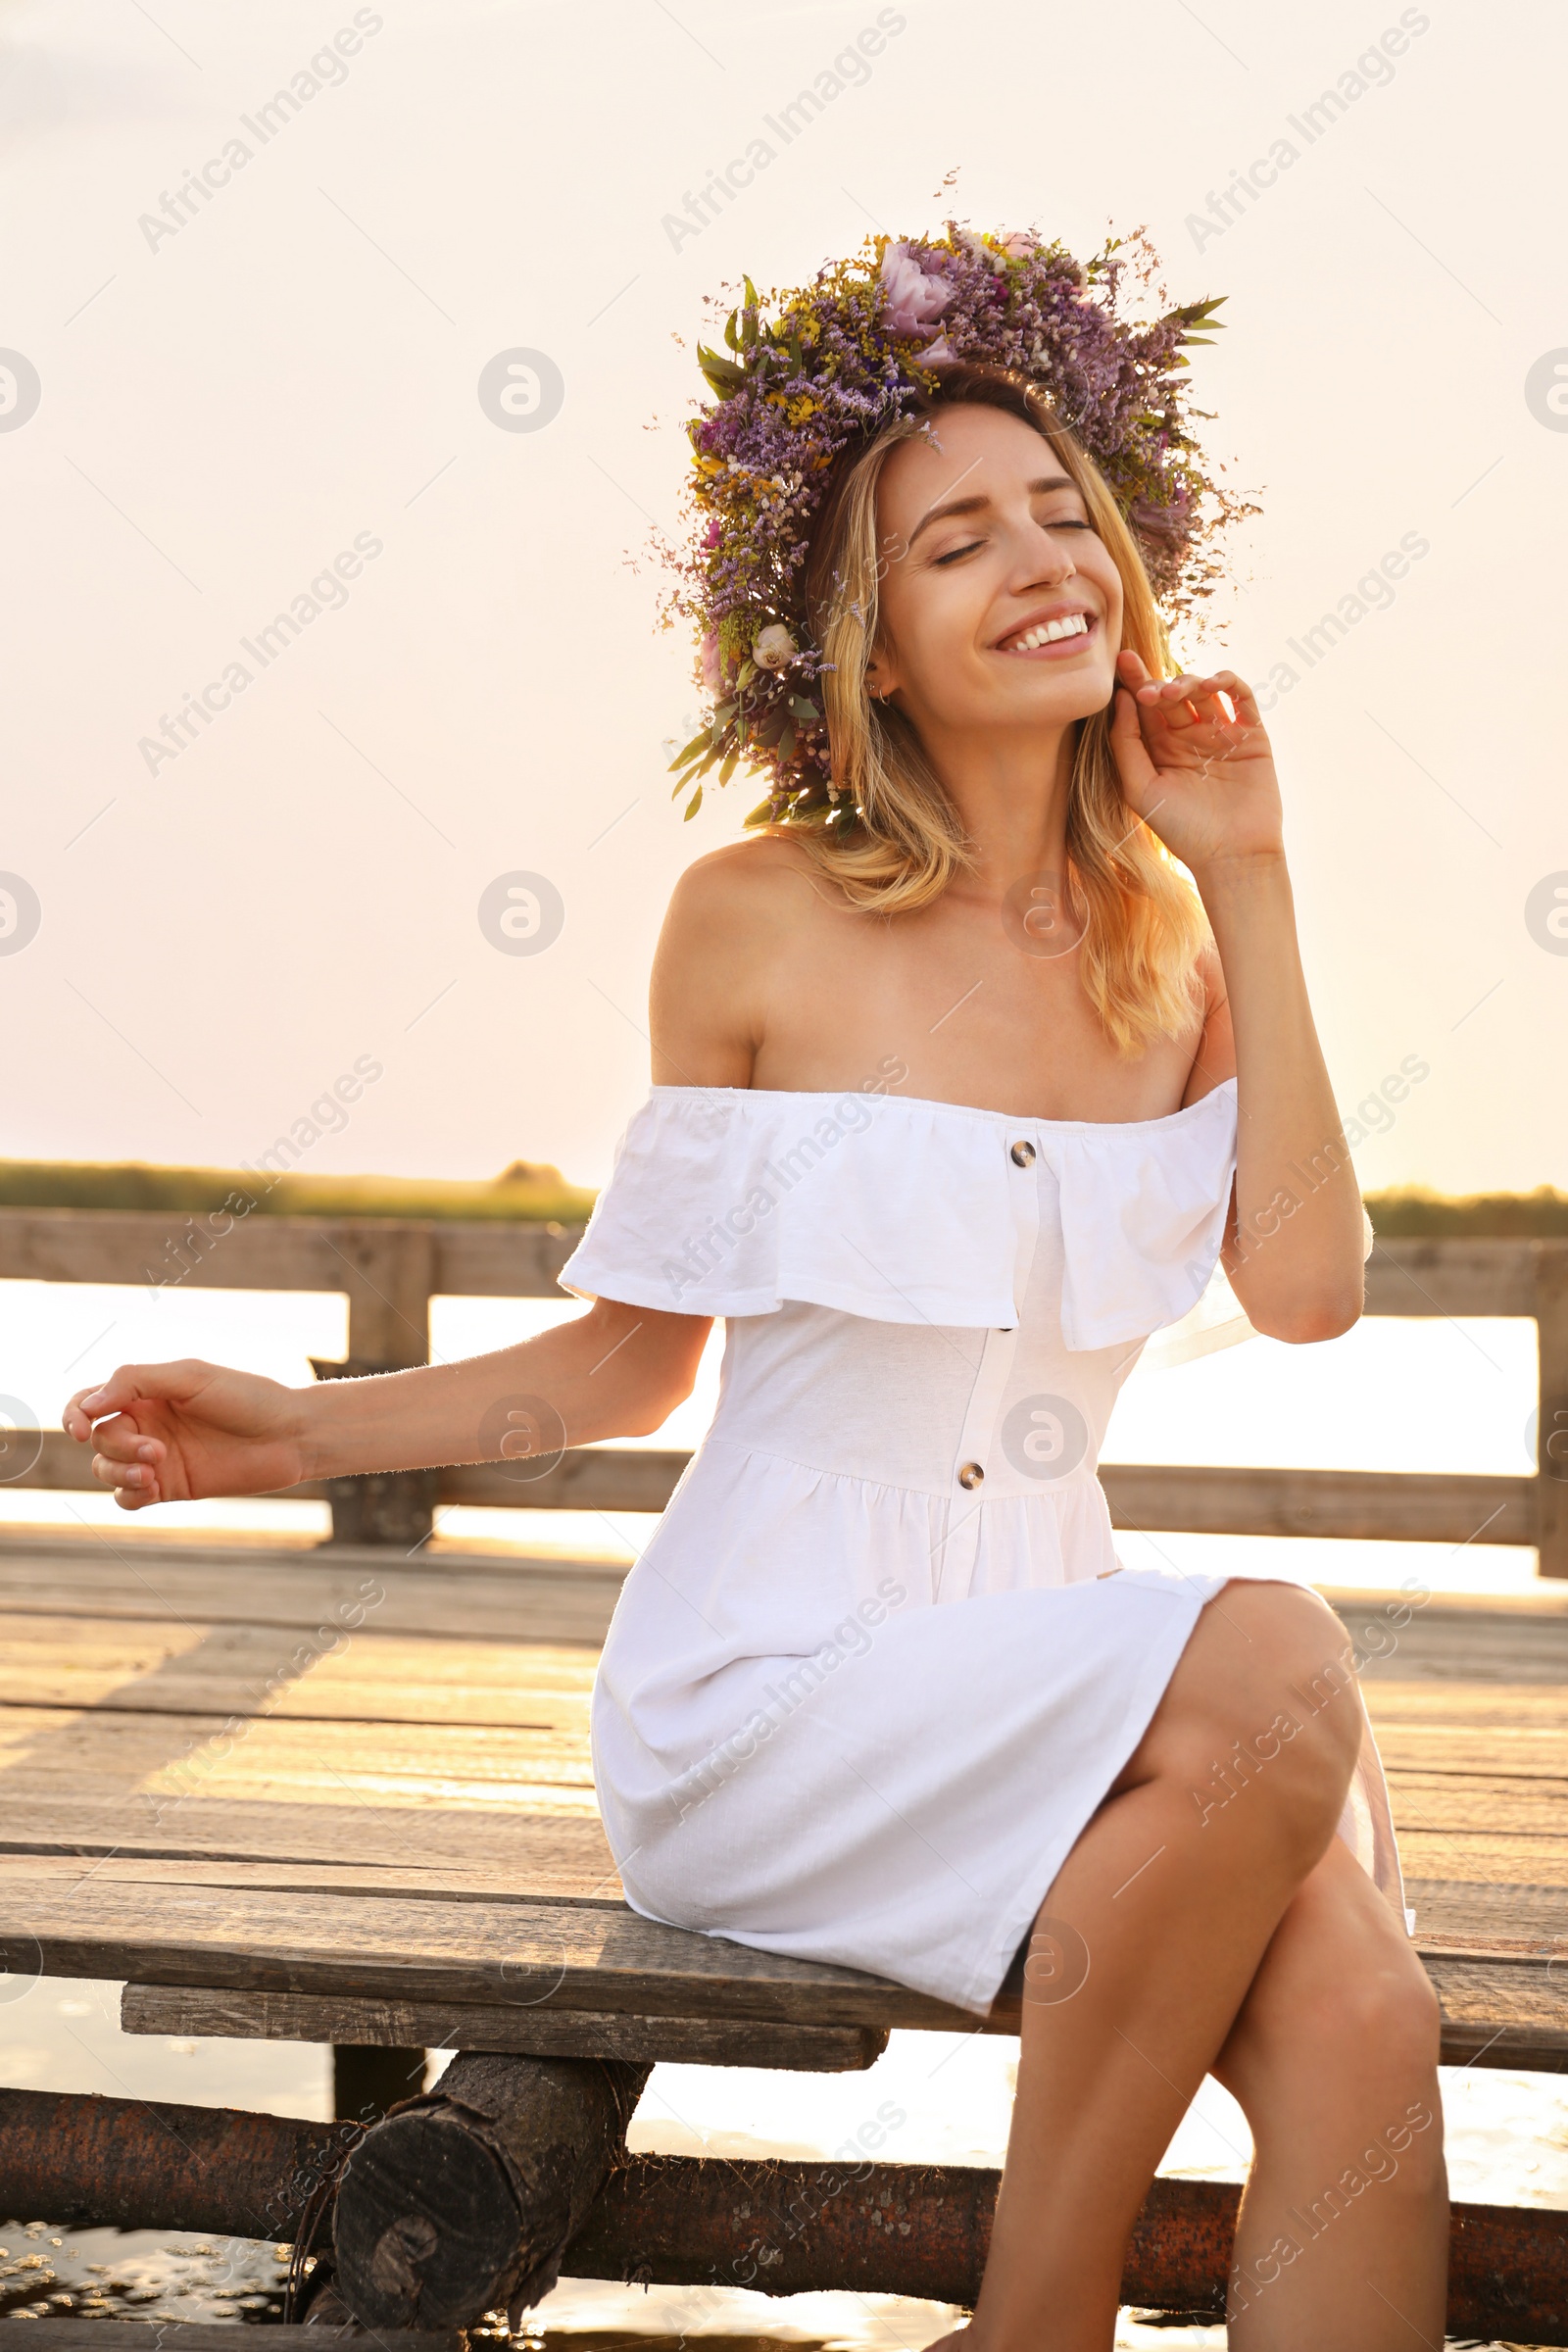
<point x="1499" y="2013"/>
<point x="168" y="1667"/>
<point x="342" y="2019"/>
<point x="1485" y="1777"/>
<point x="1523" y="1914"/>
<point x="563" y="1955"/>
<point x="1489" y="1751"/>
<point x="1518" y="1911"/>
<point x="561" y="1850"/>
<point x="1481" y="1858"/>
<point x="567" y="1957"/>
<point x="1406" y="1506"/>
<point x="1551" y="1442"/>
<point x="477" y="1597"/>
<point x="1447" y="1276"/>
<point x="587" y="1477"/>
<point x="502" y="1261"/>
<point x="84" y="1749"/>
<point x="156" y="1247"/>
<point x="250" y="1253"/>
<point x="1513" y="1638"/>
<point x="1356" y="1505"/>
<point x="1469" y="1804"/>
<point x="183" y="1666"/>
<point x="1441" y="1276"/>
<point x="435" y="1877"/>
<point x="1445" y="1645"/>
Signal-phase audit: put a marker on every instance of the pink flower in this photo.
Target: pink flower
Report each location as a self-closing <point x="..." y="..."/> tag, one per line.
<point x="939" y="354"/>
<point x="713" y="667"/>
<point x="714" y="533"/>
<point x="913" y="299"/>
<point x="1019" y="245"/>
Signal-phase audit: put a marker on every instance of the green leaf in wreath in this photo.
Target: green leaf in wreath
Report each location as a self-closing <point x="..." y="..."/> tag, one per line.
<point x="723" y="375"/>
<point x="684" y="758"/>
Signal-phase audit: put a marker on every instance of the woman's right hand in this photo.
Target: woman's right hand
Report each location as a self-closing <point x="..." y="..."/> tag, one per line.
<point x="177" y="1433"/>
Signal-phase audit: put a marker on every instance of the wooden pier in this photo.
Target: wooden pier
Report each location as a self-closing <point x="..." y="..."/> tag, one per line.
<point x="342" y="1794"/>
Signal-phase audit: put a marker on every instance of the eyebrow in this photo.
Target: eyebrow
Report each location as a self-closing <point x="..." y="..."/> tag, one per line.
<point x="973" y="506"/>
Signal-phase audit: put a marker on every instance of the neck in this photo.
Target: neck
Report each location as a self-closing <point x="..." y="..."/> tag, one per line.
<point x="1010" y="792"/>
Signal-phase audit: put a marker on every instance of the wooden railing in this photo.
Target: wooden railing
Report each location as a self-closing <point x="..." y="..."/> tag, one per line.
<point x="391" y="1270"/>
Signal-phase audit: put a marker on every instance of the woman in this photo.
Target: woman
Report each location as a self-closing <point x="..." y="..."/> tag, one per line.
<point x="960" y="1088"/>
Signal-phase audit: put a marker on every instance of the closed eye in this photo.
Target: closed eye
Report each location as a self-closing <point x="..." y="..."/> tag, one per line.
<point x="954" y="553"/>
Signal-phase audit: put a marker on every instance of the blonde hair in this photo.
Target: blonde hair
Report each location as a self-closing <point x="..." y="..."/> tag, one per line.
<point x="1144" y="924"/>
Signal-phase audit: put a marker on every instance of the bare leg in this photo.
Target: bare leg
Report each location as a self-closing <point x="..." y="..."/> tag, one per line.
<point x="1172" y="1900"/>
<point x="1343" y="2233"/>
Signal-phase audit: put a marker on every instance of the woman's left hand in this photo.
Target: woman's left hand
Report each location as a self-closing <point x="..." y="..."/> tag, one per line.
<point x="1200" y="775"/>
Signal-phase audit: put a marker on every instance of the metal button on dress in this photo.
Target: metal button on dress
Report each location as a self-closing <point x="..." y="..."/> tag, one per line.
<point x="970" y="1475"/>
<point x="1022" y="1154"/>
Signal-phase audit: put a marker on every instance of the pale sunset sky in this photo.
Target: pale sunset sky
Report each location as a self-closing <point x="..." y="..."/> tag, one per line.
<point x="227" y="395"/>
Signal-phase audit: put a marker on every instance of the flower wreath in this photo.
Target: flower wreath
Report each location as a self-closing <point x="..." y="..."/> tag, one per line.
<point x="811" y="370"/>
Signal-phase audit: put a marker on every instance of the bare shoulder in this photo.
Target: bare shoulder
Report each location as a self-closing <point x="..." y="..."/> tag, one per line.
<point x="732" y="918"/>
<point x="765" y="876"/>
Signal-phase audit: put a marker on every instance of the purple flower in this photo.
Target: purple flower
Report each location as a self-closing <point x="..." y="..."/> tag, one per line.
<point x="912" y="298"/>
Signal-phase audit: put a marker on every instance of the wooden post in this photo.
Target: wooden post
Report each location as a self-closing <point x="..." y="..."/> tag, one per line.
<point x="387" y="1270"/>
<point x="465" y="2200"/>
<point x="1552" y="1436"/>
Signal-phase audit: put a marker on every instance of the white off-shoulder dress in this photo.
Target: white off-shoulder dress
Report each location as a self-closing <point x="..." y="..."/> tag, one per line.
<point x="879" y="1663"/>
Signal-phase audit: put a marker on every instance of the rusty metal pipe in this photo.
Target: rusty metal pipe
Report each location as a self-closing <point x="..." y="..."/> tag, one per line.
<point x="786" y="2229"/>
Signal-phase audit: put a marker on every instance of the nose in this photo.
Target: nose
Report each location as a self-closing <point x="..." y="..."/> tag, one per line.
<point x="1045" y="558"/>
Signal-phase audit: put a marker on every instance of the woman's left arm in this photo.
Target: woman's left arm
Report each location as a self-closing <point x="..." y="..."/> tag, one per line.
<point x="1202" y="774"/>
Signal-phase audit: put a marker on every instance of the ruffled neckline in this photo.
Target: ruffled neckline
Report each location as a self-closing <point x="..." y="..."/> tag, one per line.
<point x="731" y="1201"/>
<point x="727" y="1095"/>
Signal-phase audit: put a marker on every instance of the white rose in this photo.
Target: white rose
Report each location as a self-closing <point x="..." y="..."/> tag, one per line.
<point x="773" y="647"/>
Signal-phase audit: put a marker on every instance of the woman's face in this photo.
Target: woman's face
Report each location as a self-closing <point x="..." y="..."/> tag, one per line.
<point x="1001" y="607"/>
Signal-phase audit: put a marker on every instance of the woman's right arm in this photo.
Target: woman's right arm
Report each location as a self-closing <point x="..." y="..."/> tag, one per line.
<point x="176" y="1433"/>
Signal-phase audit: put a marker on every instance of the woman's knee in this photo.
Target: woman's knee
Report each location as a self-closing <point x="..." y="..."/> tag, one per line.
<point x="1361" y="2062"/>
<point x="1264" y="1697"/>
<point x="1340" y="2008"/>
<point x="1383" y="2023"/>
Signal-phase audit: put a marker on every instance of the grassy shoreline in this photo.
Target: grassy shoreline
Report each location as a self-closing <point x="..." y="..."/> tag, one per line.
<point x="535" y="1193"/>
<point x="528" y="1192"/>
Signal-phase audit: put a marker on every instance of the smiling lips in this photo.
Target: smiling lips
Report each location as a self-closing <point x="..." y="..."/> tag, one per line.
<point x="1066" y="627"/>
